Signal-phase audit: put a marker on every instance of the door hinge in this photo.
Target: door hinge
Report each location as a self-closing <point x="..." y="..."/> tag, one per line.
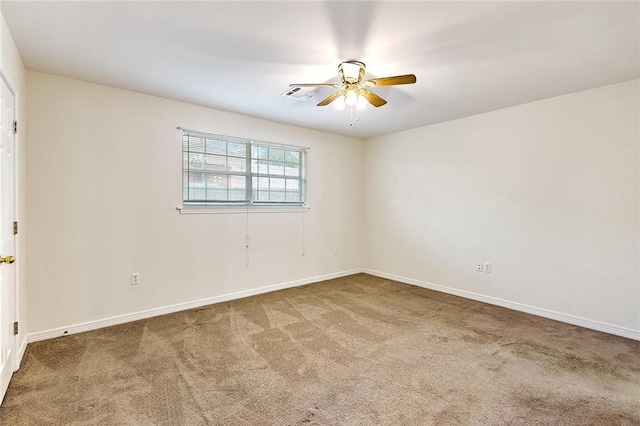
<point x="15" y="127"/>
<point x="15" y="328"/>
<point x="15" y="228"/>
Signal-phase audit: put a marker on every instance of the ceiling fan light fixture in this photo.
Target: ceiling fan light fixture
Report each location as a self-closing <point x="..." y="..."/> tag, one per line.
<point x="351" y="98"/>
<point x="339" y="103"/>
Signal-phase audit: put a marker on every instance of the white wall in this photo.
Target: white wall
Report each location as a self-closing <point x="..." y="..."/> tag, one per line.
<point x="547" y="192"/>
<point x="13" y="69"/>
<point x="104" y="180"/>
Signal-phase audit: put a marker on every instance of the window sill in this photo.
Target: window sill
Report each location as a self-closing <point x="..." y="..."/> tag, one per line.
<point x="241" y="210"/>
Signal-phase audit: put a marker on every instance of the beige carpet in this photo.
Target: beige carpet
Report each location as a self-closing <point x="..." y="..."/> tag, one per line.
<point x="358" y="350"/>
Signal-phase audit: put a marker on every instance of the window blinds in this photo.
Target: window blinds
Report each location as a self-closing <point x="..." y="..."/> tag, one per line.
<point x="220" y="170"/>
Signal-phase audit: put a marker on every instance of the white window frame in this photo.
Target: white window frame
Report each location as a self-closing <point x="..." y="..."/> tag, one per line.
<point x="252" y="173"/>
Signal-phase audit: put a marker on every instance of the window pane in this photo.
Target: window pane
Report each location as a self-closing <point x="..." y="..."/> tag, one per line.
<point x="237" y="164"/>
<point x="237" y="149"/>
<point x="292" y="157"/>
<point x="293" y="185"/>
<point x="197" y="178"/>
<point x="216" y="163"/>
<point x="237" y="182"/>
<point x="216" y="181"/>
<point x="276" y="168"/>
<point x="291" y="169"/>
<point x="185" y="185"/>
<point x="277" y="196"/>
<point x="276" y="184"/>
<point x="216" y="147"/>
<point x="216" y="187"/>
<point x="293" y="197"/>
<point x="196" y="161"/>
<point x="293" y="190"/>
<point x="197" y="193"/>
<point x="259" y="152"/>
<point x="263" y="184"/>
<point x="276" y="154"/>
<point x="216" y="194"/>
<point x="263" y="167"/>
<point x="237" y="187"/>
<point x="260" y="189"/>
<point x="195" y="144"/>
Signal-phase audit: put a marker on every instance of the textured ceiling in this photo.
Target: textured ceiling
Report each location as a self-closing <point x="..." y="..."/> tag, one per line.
<point x="469" y="57"/>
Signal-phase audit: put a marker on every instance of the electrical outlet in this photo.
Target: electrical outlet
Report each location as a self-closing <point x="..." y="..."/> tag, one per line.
<point x="135" y="278"/>
<point x="487" y="267"/>
<point x="335" y="251"/>
<point x="478" y="266"/>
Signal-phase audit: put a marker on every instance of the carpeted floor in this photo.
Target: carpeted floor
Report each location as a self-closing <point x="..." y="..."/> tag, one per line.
<point x="358" y="350"/>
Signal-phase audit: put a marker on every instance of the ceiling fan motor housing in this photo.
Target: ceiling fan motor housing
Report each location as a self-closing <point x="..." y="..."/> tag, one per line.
<point x="351" y="72"/>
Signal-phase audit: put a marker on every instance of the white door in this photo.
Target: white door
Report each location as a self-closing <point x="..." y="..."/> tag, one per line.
<point x="7" y="247"/>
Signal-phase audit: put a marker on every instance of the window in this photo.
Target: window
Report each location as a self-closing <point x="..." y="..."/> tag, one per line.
<point x="221" y="170"/>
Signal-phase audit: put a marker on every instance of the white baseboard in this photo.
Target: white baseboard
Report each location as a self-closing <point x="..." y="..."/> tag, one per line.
<point x="121" y="319"/>
<point x="570" y="319"/>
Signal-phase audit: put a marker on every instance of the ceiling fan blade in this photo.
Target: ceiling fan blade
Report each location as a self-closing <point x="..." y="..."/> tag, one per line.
<point x="332" y="97"/>
<point x="372" y="98"/>
<point x="316" y="85"/>
<point x="391" y="81"/>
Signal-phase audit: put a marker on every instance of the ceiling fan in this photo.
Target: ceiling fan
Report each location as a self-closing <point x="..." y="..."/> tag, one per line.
<point x="353" y="87"/>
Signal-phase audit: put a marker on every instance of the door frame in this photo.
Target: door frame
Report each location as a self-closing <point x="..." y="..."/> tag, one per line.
<point x="16" y="349"/>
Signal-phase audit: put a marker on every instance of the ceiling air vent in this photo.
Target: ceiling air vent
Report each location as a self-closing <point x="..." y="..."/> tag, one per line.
<point x="300" y="93"/>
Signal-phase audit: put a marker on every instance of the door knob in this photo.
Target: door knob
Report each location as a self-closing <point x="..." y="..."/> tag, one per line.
<point x="8" y="259"/>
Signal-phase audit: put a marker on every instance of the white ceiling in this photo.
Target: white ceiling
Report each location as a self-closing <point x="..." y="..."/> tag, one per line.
<point x="469" y="57"/>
